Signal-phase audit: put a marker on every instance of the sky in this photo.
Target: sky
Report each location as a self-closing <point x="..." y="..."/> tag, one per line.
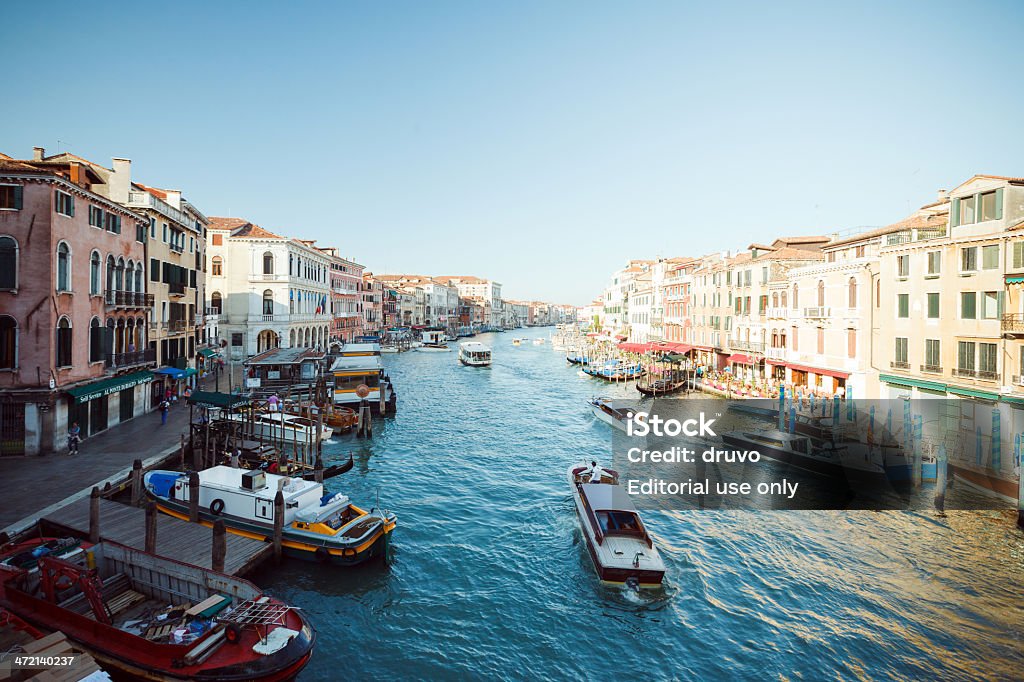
<point x="540" y="144"/>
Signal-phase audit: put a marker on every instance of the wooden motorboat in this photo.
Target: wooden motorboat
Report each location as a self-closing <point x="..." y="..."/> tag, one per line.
<point x="317" y="526"/>
<point x="617" y="540"/>
<point x="292" y="468"/>
<point x="340" y="418"/>
<point x="611" y="413"/>
<point x="151" y="617"/>
<point x="474" y="354"/>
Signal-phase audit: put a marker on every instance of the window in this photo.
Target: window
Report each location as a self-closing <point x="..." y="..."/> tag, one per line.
<point x="851" y="293"/>
<point x="990" y="305"/>
<point x="969" y="259"/>
<point x="851" y="343"/>
<point x="191" y="244"/>
<point x="821" y="341"/>
<point x="11" y="197"/>
<point x="932" y="358"/>
<point x="113" y="223"/>
<point x="164" y="233"/>
<point x="901" y="351"/>
<point x="8" y="263"/>
<point x="902" y="266"/>
<point x="96" y="216"/>
<point x="878" y="294"/>
<point x="987" y="358"/>
<point x="794" y="335"/>
<point x="94" y="273"/>
<point x="268" y="263"/>
<point x="785" y="295"/>
<point x="967" y="210"/>
<point x="1018" y="255"/>
<point x="933" y="305"/>
<point x="821" y="293"/>
<point x="990" y="257"/>
<point x="152" y="228"/>
<point x="934" y="262"/>
<point x="140" y="233"/>
<point x="95" y="340"/>
<point x="63" y="267"/>
<point x="796" y="296"/>
<point x="988" y="208"/>
<point x="968" y="305"/>
<point x="218" y="239"/>
<point x="858" y="252"/>
<point x="216" y="302"/>
<point x="902" y="305"/>
<point x="8" y="342"/>
<point x="218" y="266"/>
<point x="965" y="356"/>
<point x="64" y="203"/>
<point x="154" y="270"/>
<point x="64" y="342"/>
<point x="268" y="302"/>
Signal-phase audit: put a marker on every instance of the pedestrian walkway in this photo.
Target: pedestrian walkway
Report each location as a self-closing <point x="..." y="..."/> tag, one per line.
<point x="33" y="484"/>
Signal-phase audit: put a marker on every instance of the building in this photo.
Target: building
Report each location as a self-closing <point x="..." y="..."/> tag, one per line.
<point x="73" y="304"/>
<point x="346" y="304"/>
<point x="478" y="288"/>
<point x="271" y="291"/>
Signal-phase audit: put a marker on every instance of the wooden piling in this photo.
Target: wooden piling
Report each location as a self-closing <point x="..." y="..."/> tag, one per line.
<point x="941" y="473"/>
<point x="137" y="483"/>
<point x="318" y="470"/>
<point x="193" y="497"/>
<point x="94" y="516"/>
<point x="151" y="527"/>
<point x="219" y="551"/>
<point x="1020" y="499"/>
<point x="278" y="525"/>
<point x="183" y="452"/>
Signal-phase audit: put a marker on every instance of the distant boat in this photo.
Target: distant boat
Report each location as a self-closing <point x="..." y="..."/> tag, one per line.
<point x="434" y="341"/>
<point x="823" y="457"/>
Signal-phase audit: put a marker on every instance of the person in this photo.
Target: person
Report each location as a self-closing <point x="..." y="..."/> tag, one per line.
<point x="74" y="438"/>
<point x="164" y="409"/>
<point x="595" y="472"/>
<point x="272" y="402"/>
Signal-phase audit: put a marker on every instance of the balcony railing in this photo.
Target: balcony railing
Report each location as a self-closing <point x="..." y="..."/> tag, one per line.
<point x="899" y="364"/>
<point x="147" y="200"/>
<point x="140" y="357"/>
<point x="778" y="312"/>
<point x="932" y="369"/>
<point x="1013" y="323"/>
<point x="752" y="346"/>
<point x="983" y="374"/>
<point x="128" y="299"/>
<point x="176" y="288"/>
<point x="212" y="310"/>
<point x="776" y="353"/>
<point x="1018" y="380"/>
<point x="177" y="248"/>
<point x="819" y="312"/>
<point x="965" y="373"/>
<point x="177" y="326"/>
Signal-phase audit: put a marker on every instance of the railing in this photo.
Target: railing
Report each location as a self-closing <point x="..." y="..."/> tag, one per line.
<point x="986" y="375"/>
<point x="176" y="288"/>
<point x="128" y="299"/>
<point x="1013" y="323"/>
<point x="983" y="374"/>
<point x="1018" y="380"/>
<point x="776" y="353"/>
<point x="177" y="325"/>
<point x="819" y="312"/>
<point x="140" y="357"/>
<point x="932" y="369"/>
<point x="147" y="200"/>
<point x="899" y="364"/>
<point x="177" y="248"/>
<point x="778" y="312"/>
<point x="210" y="311"/>
<point x="966" y="373"/>
<point x="752" y="346"/>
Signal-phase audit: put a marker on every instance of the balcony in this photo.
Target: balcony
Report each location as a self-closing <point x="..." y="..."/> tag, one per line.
<point x="1012" y="323"/>
<point x="133" y="359"/>
<point x="147" y="200"/>
<point x="931" y="369"/>
<point x="818" y="313"/>
<point x="128" y="299"/>
<point x="176" y="288"/>
<point x="965" y="373"/>
<point x="750" y="346"/>
<point x="778" y="313"/>
<point x="177" y="248"/>
<point x="212" y="311"/>
<point x="1018" y="380"/>
<point x="177" y="326"/>
<point x="982" y="374"/>
<point x="899" y="364"/>
<point x="775" y="353"/>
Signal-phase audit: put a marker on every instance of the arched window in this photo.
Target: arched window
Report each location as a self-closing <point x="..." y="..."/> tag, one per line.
<point x="218" y="266"/>
<point x="8" y="263"/>
<point x="63" y="267"/>
<point x="119" y="275"/>
<point x="216" y="302"/>
<point x="129" y="276"/>
<point x="775" y="299"/>
<point x="821" y="293"/>
<point x="64" y="342"/>
<point x="95" y="340"/>
<point x="8" y="342"/>
<point x="108" y="336"/>
<point x="268" y="302"/>
<point x="268" y="263"/>
<point x="852" y="303"/>
<point x="139" y="276"/>
<point x="796" y="296"/>
<point x="782" y="301"/>
<point x="94" y="273"/>
<point x="110" y="273"/>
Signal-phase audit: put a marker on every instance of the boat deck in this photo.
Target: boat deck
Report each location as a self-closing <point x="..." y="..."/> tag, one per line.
<point x="191" y="543"/>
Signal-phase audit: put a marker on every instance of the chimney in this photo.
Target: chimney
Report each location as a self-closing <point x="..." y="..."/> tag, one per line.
<point x="76" y="173"/>
<point x="943" y="194"/>
<point x="120" y="182"/>
<point x="38" y="153"/>
<point x="174" y="198"/>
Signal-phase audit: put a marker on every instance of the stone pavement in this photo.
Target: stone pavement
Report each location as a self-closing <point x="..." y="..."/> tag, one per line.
<point x="33" y="485"/>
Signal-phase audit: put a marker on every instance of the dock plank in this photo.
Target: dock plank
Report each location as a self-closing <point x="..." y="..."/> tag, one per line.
<point x="190" y="543"/>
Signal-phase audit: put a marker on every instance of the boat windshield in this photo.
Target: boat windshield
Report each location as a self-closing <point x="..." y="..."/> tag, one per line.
<point x="619" y="522"/>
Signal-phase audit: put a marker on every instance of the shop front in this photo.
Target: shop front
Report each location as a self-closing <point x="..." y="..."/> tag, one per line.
<point x="98" y="405"/>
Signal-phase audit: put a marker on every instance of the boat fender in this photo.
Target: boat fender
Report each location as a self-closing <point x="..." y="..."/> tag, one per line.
<point x="348" y="552"/>
<point x="323" y="555"/>
<point x="62" y="583"/>
<point x="217" y="507"/>
<point x="232" y="634"/>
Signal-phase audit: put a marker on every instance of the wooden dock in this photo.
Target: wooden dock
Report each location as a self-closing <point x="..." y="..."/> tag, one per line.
<point x="191" y="543"/>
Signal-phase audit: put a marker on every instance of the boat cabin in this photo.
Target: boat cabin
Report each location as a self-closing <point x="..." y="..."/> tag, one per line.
<point x="284" y="366"/>
<point x="612" y="512"/>
<point x="357" y="364"/>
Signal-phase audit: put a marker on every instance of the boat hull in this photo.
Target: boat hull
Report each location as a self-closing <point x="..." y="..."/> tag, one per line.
<point x="834" y="470"/>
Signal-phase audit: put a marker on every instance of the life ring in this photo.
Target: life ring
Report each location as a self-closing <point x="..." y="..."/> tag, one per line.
<point x="232" y="634"/>
<point x="63" y="582"/>
<point x="323" y="555"/>
<point x="217" y="507"/>
<point x="348" y="552"/>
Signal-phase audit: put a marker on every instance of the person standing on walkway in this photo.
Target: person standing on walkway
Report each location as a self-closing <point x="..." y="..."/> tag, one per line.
<point x="74" y="438"/>
<point x="164" y="408"/>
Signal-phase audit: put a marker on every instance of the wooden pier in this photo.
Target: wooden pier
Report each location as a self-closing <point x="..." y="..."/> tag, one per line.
<point x="191" y="543"/>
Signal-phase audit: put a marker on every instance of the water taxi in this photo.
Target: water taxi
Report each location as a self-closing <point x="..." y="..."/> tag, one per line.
<point x="474" y="354"/>
<point x="317" y="526"/>
<point x="434" y="340"/>
<point x="607" y="411"/>
<point x="617" y="540"/>
<point x="360" y="364"/>
<point x="517" y="342"/>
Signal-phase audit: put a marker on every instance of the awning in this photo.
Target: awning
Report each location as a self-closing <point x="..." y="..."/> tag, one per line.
<point x="83" y="394"/>
<point x="222" y="400"/>
<point x="909" y="382"/>
<point x="208" y="352"/>
<point x="637" y="347"/>
<point x="190" y="372"/>
<point x="739" y="359"/>
<point x="824" y="372"/>
<point x="171" y="372"/>
<point x="1015" y="279"/>
<point x="676" y="357"/>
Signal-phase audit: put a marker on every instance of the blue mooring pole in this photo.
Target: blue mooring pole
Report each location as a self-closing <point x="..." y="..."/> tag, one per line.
<point x="782" y="407"/>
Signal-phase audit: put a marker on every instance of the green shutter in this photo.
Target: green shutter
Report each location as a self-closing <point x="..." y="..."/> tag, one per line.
<point x="999" y="304"/>
<point x="18" y="197"/>
<point x="954" y="213"/>
<point x="71" y="205"/>
<point x="999" y="204"/>
<point x="119" y="224"/>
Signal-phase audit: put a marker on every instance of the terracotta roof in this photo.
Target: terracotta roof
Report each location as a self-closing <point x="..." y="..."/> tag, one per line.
<point x="801" y="240"/>
<point x="917" y="220"/>
<point x="255" y="231"/>
<point x="762" y="247"/>
<point x="4" y="156"/>
<point x="789" y="253"/>
<point x="158" y="193"/>
<point x="989" y="177"/>
<point x="14" y="166"/>
<point x="462" y="279"/>
<point x="218" y="223"/>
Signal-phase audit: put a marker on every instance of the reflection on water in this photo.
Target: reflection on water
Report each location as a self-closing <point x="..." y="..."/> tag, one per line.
<point x="490" y="578"/>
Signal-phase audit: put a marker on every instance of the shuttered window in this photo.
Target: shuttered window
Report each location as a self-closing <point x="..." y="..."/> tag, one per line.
<point x="11" y="197"/>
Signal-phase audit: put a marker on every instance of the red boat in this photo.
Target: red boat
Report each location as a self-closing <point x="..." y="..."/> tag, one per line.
<point x="159" y="619"/>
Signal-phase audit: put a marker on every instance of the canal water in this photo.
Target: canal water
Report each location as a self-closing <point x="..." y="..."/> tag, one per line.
<point x="490" y="578"/>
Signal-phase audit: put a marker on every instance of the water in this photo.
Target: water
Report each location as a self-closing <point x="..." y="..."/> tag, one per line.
<point x="490" y="578"/>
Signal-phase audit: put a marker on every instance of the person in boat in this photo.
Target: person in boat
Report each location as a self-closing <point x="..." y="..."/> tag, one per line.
<point x="596" y="472"/>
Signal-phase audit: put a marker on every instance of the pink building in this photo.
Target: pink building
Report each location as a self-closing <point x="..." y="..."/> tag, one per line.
<point x="72" y="305"/>
<point x="346" y="281"/>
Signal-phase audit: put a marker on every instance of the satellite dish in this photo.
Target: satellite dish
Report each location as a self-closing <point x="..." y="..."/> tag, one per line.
<point x="362" y="390"/>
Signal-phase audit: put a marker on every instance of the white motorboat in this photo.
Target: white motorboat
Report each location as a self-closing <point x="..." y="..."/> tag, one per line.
<point x="434" y="341"/>
<point x="618" y="543"/>
<point x="538" y="341"/>
<point x="609" y="412"/>
<point x="474" y="354"/>
<point x="360" y="364"/>
<point x="822" y="457"/>
<point x="284" y="427"/>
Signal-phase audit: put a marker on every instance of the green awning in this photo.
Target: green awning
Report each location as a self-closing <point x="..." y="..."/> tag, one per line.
<point x="226" y="401"/>
<point x="972" y="393"/>
<point x="908" y="381"/>
<point x="676" y="357"/>
<point x="189" y="371"/>
<point x="83" y="394"/>
<point x="208" y="352"/>
<point x="1015" y="279"/>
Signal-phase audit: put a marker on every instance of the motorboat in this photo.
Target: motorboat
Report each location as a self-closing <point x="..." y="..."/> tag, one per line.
<point x="360" y="365"/>
<point x="539" y="341"/>
<point x="434" y="340"/>
<point x="151" y="617"/>
<point x="607" y="411"/>
<point x="317" y="526"/>
<point x="821" y="457"/>
<point x="474" y="354"/>
<point x="622" y="550"/>
<point x="340" y="419"/>
<point x="292" y="467"/>
<point x="615" y="370"/>
<point x="517" y="342"/>
<point x="283" y="427"/>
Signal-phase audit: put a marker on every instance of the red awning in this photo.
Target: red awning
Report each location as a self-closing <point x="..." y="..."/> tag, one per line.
<point x="621" y="336"/>
<point x="817" y="370"/>
<point x="678" y="347"/>
<point x="638" y="347"/>
<point x="739" y="359"/>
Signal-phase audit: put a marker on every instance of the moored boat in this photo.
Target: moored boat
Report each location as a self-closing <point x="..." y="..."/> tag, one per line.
<point x="341" y="419"/>
<point x="622" y="550"/>
<point x="283" y="427"/>
<point x="317" y="526"/>
<point x="661" y="386"/>
<point x="474" y="354"/>
<point x="615" y="370"/>
<point x="151" y="617"/>
<point x="823" y="457"/>
<point x="360" y="364"/>
<point x="434" y="340"/>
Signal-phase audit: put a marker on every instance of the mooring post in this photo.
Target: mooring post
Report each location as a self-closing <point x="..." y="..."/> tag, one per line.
<point x="151" y="527"/>
<point x="220" y="546"/>
<point x="941" y="463"/>
<point x="94" y="516"/>
<point x="382" y="390"/>
<point x="369" y="421"/>
<point x="1020" y="499"/>
<point x="318" y="470"/>
<point x="137" y="483"/>
<point x="278" y="524"/>
<point x="183" y="452"/>
<point x="193" y="497"/>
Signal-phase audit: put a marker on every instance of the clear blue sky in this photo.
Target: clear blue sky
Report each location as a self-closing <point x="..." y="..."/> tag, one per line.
<point x="538" y="143"/>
